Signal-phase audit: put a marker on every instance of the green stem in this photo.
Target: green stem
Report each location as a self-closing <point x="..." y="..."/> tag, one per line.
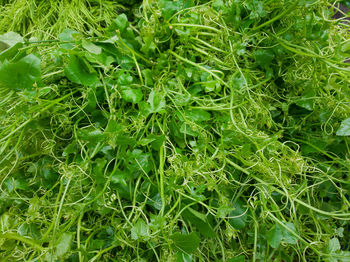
<point x="25" y="240"/>
<point x="276" y="17"/>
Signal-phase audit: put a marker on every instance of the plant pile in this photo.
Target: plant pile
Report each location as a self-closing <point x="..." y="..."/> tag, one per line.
<point x="180" y="130"/>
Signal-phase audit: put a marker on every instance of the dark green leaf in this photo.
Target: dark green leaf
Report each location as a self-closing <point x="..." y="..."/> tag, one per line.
<point x="78" y="72"/>
<point x="289" y="237"/>
<point x="186" y="243"/>
<point x="238" y="216"/>
<point x="240" y="258"/>
<point x="275" y="236"/>
<point x="138" y="161"/>
<point x="15" y="184"/>
<point x="264" y="57"/>
<point x="307" y="100"/>
<point x="200" y="221"/>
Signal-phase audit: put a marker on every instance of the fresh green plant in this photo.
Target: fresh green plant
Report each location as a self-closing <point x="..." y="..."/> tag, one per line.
<point x="182" y="131"/>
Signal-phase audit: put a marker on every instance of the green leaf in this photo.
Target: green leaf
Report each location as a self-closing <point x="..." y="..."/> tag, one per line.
<point x="132" y="95"/>
<point x="238" y="216"/>
<point x="168" y="8"/>
<point x="63" y="244"/>
<point x="264" y="57"/>
<point x="288" y="236"/>
<point x="275" y="236"/>
<point x="149" y="46"/>
<point x="156" y="141"/>
<point x="5" y="222"/>
<point x="200" y="221"/>
<point x="147" y="75"/>
<point x="139" y="230"/>
<point x="197" y="115"/>
<point x="188" y="130"/>
<point x="240" y="258"/>
<point x="156" y="102"/>
<point x="112" y="126"/>
<point x="307" y="100"/>
<point x="68" y="35"/>
<point x="98" y="171"/>
<point x="344" y="256"/>
<point x="91" y="135"/>
<point x="121" y="22"/>
<point x="124" y="78"/>
<point x="72" y="148"/>
<point x="182" y="257"/>
<point x="346" y="46"/>
<point x="21" y="75"/>
<point x="9" y="39"/>
<point x="224" y="211"/>
<point x="257" y="9"/>
<point x="186" y="243"/>
<point x="333" y="245"/>
<point x="15" y="184"/>
<point x="138" y="161"/>
<point x="344" y="129"/>
<point x="78" y="72"/>
<point x="171" y="7"/>
<point x="91" y="47"/>
<point x="12" y="52"/>
<point x="218" y="5"/>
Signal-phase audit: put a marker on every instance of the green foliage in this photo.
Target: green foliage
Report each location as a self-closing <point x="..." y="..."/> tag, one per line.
<point x="174" y="131"/>
<point x="186" y="243"/>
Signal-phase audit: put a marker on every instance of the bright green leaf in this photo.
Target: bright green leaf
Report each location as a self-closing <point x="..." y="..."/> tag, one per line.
<point x="21" y="75"/>
<point x="121" y="22"/>
<point x="132" y="95"/>
<point x="156" y="101"/>
<point x="139" y="230"/>
<point x="182" y="257"/>
<point x="344" y="129"/>
<point x="91" y="47"/>
<point x="68" y="35"/>
<point x="333" y="245"/>
<point x="63" y="244"/>
<point x="9" y="39"/>
<point x="197" y="115"/>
